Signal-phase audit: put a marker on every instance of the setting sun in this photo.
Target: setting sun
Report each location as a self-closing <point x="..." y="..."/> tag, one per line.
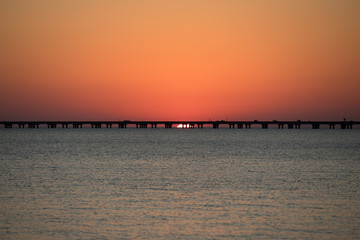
<point x="183" y="126"/>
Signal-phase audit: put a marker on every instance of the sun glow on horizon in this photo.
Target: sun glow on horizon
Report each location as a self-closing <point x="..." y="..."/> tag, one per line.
<point x="183" y="126"/>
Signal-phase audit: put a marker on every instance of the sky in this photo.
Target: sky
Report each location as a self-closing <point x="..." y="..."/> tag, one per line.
<point x="179" y="60"/>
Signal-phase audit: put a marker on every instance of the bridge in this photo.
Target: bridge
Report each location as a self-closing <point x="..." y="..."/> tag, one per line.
<point x="186" y="124"/>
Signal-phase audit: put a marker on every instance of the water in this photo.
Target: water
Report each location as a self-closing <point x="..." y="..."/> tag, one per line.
<point x="179" y="184"/>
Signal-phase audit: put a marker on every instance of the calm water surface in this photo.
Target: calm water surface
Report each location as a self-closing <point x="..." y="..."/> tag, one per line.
<point x="179" y="184"/>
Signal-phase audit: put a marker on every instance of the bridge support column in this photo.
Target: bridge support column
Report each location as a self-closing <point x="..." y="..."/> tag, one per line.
<point x="346" y="126"/>
<point x="9" y="125"/>
<point x="108" y="125"/>
<point x="247" y="125"/>
<point x="64" y="125"/>
<point x="290" y="125"/>
<point x="297" y="126"/>
<point x="264" y="125"/>
<point x="51" y="125"/>
<point x="315" y="126"/>
<point x="141" y="125"/>
<point x="331" y="126"/>
<point x="281" y="125"/>
<point x="168" y="125"/>
<point x="200" y="125"/>
<point x="240" y="125"/>
<point x="215" y="125"/>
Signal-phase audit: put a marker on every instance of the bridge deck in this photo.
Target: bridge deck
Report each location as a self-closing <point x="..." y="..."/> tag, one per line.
<point x="187" y="124"/>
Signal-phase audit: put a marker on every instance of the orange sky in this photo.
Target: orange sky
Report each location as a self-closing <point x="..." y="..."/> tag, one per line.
<point x="179" y="60"/>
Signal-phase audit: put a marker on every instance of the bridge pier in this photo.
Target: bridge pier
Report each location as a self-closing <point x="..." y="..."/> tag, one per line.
<point x="297" y="125"/>
<point x="108" y="125"/>
<point x="121" y="125"/>
<point x="9" y="125"/>
<point x="141" y="125"/>
<point x="200" y="125"/>
<point x="240" y="125"/>
<point x="153" y="125"/>
<point x="51" y="125"/>
<point x="65" y="125"/>
<point x="77" y="125"/>
<point x="315" y="126"/>
<point x="21" y="125"/>
<point x="215" y="125"/>
<point x="331" y="126"/>
<point x="96" y="125"/>
<point x="264" y="126"/>
<point x="231" y="125"/>
<point x="33" y="125"/>
<point x="346" y="126"/>
<point x="247" y="125"/>
<point x="290" y="125"/>
<point x="281" y="125"/>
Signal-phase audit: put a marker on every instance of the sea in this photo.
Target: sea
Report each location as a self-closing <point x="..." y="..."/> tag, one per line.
<point x="179" y="183"/>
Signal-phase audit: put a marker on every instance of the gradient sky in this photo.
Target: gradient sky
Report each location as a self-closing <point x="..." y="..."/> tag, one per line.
<point x="179" y="60"/>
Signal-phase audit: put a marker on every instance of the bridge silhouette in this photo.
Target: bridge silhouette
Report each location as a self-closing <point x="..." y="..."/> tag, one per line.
<point x="186" y="124"/>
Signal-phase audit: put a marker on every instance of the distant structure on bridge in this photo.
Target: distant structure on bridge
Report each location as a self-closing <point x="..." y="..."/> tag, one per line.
<point x="185" y="124"/>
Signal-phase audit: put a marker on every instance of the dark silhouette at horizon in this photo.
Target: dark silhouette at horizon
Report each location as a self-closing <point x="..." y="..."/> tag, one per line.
<point x="186" y="124"/>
